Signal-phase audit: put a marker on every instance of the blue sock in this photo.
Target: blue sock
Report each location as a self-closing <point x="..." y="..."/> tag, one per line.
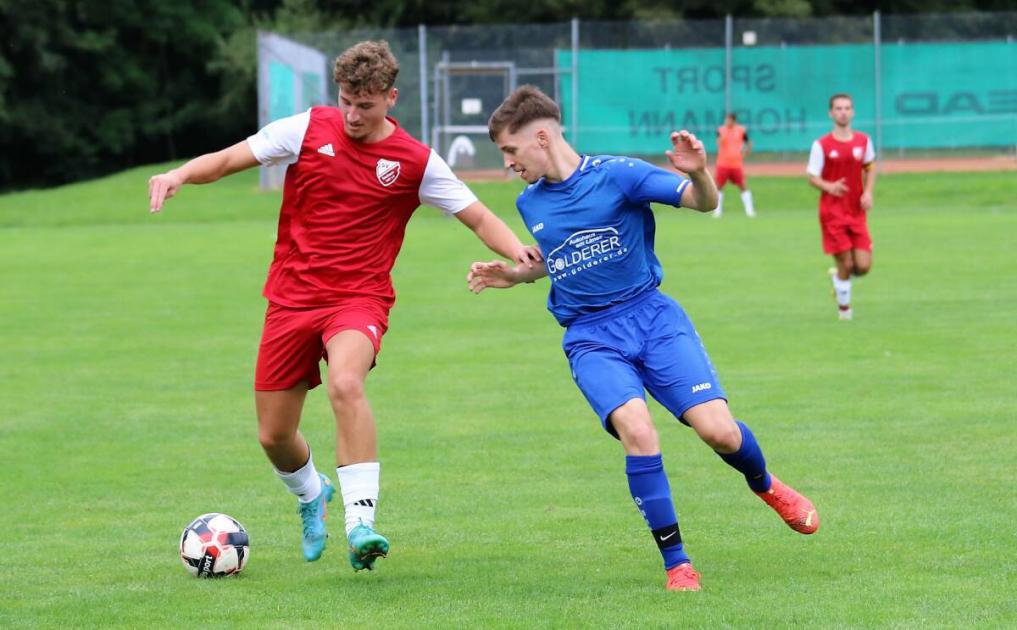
<point x="749" y="461"/>
<point x="652" y="494"/>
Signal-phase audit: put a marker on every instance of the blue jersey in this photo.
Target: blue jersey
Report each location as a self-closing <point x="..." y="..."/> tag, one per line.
<point x="596" y="232"/>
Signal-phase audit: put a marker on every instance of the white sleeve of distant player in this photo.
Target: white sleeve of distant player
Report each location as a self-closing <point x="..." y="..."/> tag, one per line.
<point x="441" y="189"/>
<point x="816" y="157"/>
<point x="279" y="141"/>
<point x="870" y="152"/>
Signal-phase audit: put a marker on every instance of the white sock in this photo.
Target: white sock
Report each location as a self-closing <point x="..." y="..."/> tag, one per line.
<point x="747" y="202"/>
<point x="720" y="205"/>
<point x="303" y="482"/>
<point x="843" y="290"/>
<point x="359" y="485"/>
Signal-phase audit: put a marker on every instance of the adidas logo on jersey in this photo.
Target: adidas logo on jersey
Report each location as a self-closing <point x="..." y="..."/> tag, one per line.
<point x="327" y="150"/>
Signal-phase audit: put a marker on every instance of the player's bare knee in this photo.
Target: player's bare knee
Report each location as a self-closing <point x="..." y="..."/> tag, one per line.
<point x="640" y="438"/>
<point x="861" y="269"/>
<point x="345" y="387"/>
<point x="273" y="438"/>
<point x="635" y="428"/>
<point x="725" y="437"/>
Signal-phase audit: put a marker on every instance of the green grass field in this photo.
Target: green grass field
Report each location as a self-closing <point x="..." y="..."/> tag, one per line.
<point x="127" y="349"/>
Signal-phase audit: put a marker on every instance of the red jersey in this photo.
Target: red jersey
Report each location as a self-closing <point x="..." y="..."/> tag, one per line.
<point x="730" y="141"/>
<point x="345" y="206"/>
<point x="831" y="160"/>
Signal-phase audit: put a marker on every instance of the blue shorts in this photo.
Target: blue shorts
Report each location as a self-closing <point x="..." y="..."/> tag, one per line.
<point x="648" y="343"/>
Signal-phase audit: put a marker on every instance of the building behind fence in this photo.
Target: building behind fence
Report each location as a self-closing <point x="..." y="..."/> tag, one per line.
<point x="920" y="83"/>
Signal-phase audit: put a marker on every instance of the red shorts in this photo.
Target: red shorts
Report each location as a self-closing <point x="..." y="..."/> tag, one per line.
<point x="844" y="232"/>
<point x="735" y="174"/>
<point x="293" y="340"/>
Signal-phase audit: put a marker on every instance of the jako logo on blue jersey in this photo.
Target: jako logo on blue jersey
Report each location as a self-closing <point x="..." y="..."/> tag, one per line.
<point x="701" y="387"/>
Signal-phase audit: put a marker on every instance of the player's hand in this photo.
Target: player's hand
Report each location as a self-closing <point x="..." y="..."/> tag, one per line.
<point x="162" y="187"/>
<point x="866" y="201"/>
<point x="687" y="153"/>
<point x="838" y="188"/>
<point x="527" y="255"/>
<point x="490" y="275"/>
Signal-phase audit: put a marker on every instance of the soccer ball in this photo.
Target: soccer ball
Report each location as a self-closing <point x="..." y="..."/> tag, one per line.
<point x="214" y="545"/>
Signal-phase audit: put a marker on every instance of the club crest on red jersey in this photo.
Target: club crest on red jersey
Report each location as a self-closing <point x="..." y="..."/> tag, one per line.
<point x="387" y="172"/>
<point x="857" y="152"/>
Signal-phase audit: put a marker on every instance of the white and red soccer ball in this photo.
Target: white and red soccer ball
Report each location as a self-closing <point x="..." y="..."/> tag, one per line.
<point x="214" y="545"/>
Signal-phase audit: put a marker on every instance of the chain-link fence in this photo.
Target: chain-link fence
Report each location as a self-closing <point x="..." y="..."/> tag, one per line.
<point x="929" y="83"/>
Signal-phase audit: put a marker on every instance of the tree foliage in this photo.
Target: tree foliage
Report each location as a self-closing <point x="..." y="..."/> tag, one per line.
<point x="89" y="87"/>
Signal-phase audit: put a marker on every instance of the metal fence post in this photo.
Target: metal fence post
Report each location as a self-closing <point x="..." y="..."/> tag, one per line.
<point x="728" y="45"/>
<point x="877" y="36"/>
<point x="575" y="82"/>
<point x="422" y="54"/>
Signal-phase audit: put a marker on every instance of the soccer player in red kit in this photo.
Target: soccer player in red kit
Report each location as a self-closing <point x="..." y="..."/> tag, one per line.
<point x="733" y="146"/>
<point x="841" y="166"/>
<point x="354" y="178"/>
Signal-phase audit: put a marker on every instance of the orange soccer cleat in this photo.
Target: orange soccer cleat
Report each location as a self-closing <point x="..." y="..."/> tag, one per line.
<point x="797" y="511"/>
<point x="682" y="578"/>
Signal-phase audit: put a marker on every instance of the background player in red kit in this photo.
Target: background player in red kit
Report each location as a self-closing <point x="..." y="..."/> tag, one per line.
<point x="733" y="146"/>
<point x="841" y="166"/>
<point x="354" y="177"/>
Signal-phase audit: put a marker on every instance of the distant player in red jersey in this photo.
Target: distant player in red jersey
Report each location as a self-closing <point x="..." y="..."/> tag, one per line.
<point x="353" y="180"/>
<point x="841" y="166"/>
<point x="733" y="146"/>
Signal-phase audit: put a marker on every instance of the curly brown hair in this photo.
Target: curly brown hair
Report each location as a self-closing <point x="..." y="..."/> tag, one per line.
<point x="367" y="68"/>
<point x="521" y="107"/>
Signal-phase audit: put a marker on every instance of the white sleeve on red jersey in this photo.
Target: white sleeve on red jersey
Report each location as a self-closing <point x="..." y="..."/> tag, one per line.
<point x="279" y="141"/>
<point x="441" y="189"/>
<point x="816" y="159"/>
<point x="870" y="152"/>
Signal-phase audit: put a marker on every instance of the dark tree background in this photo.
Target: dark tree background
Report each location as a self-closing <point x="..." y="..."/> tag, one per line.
<point x="90" y="87"/>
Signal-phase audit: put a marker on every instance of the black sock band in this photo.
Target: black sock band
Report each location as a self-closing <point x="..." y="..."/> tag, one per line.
<point x="667" y="536"/>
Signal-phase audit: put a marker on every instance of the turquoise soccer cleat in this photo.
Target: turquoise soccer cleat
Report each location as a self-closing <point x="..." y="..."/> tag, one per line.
<point x="366" y="546"/>
<point x="312" y="518"/>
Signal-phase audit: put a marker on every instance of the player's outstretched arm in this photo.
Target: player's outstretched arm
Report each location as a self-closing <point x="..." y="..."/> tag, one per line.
<point x="201" y="170"/>
<point x="835" y="188"/>
<point x="868" y="184"/>
<point x="498" y="237"/>
<point x="688" y="155"/>
<point x="497" y="274"/>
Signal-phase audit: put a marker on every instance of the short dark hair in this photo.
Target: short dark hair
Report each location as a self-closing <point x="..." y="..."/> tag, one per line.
<point x="841" y="95"/>
<point x="367" y="68"/>
<point x="732" y="116"/>
<point x="521" y="107"/>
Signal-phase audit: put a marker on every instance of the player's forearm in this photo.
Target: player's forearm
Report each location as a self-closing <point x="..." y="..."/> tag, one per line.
<point x="701" y="194"/>
<point x="498" y="237"/>
<point x="869" y="180"/>
<point x="522" y="273"/>
<point x="210" y="167"/>
<point x="819" y="182"/>
<point x="203" y="169"/>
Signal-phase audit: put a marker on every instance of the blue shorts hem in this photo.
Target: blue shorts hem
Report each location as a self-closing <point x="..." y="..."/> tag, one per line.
<point x="605" y="423"/>
<point x="692" y="403"/>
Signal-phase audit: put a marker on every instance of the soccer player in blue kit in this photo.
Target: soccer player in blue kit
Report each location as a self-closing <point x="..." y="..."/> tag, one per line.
<point x="591" y="218"/>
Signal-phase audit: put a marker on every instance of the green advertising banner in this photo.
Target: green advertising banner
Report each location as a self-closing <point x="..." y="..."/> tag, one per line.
<point x="933" y="95"/>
